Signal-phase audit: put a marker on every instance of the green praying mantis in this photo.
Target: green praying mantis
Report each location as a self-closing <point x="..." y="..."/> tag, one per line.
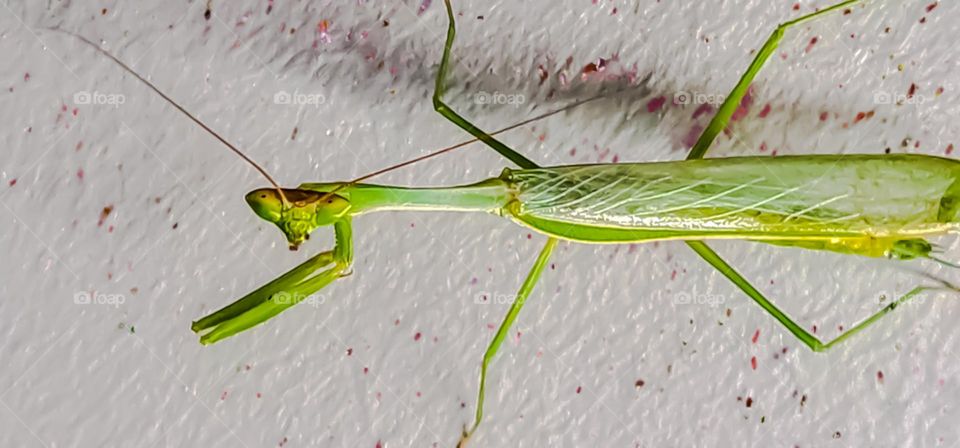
<point x="816" y="202"/>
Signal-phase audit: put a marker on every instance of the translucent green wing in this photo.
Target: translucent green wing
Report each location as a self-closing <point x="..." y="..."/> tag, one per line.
<point x="792" y="197"/>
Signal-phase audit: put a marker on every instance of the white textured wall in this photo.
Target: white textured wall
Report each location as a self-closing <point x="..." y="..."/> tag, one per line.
<point x="179" y="240"/>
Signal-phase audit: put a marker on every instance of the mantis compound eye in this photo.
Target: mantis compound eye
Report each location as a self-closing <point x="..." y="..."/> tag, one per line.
<point x="266" y="203"/>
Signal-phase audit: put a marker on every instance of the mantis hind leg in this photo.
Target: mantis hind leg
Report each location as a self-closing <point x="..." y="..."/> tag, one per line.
<point x="504" y="329"/>
<point x="722" y="118"/>
<point x="798" y="331"/>
<point x="515" y="157"/>
<point x="720" y="121"/>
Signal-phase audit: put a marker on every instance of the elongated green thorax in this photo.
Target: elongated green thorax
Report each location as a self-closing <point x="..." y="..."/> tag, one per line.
<point x="490" y="195"/>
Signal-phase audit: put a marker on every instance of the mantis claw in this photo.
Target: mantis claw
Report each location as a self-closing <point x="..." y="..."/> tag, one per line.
<point x="280" y="294"/>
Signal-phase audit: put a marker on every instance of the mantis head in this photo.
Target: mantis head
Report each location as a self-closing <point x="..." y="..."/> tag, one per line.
<point x="301" y="213"/>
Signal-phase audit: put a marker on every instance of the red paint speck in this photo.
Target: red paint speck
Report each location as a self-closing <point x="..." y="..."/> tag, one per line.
<point x="932" y="6"/>
<point x="379" y="444"/>
<point x="912" y="90"/>
<point x="824" y="116"/>
<point x="756" y="335"/>
<point x="223" y="396"/>
<point x="796" y="6"/>
<point x="417" y="336"/>
<point x="366" y="370"/>
<point x="579" y="389"/>
<point x="80" y="173"/>
<point x="424" y="5"/>
<point x="880" y="376"/>
<point x="259" y="395"/>
<point x="26" y="76"/>
<point x="753" y="363"/>
<point x="12" y="182"/>
<point x="949" y="148"/>
<point x="744" y="108"/>
<point x="529" y="236"/>
<point x="703" y="109"/>
<point x="765" y="111"/>
<point x="656" y="104"/>
<point x="692" y="135"/>
<point x="349" y="351"/>
<point x="813" y="41"/>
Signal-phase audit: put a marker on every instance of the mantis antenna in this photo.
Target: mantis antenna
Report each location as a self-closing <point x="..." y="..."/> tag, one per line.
<point x="269" y="178"/>
<point x="182" y="110"/>
<point x="465" y="143"/>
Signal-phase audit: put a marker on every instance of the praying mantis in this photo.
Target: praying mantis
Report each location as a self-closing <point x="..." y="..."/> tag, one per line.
<point x="812" y="202"/>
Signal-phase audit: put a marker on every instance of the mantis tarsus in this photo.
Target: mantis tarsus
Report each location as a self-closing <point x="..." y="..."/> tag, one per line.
<point x="813" y="202"/>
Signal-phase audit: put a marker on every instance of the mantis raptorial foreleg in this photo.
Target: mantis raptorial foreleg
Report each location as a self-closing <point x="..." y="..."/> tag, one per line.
<point x="287" y="290"/>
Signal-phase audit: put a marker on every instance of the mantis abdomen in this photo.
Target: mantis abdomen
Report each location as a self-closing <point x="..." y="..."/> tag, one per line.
<point x="847" y="203"/>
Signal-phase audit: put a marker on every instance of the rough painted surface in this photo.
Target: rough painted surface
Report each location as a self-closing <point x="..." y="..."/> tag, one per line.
<point x="619" y="345"/>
